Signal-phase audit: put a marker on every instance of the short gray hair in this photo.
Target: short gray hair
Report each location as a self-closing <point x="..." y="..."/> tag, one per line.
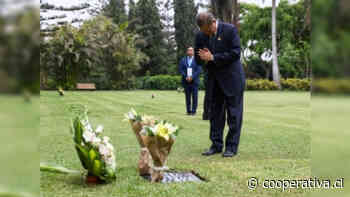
<point x="205" y="18"/>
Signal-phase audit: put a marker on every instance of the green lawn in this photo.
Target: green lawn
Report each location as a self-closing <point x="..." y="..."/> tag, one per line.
<point x="330" y="141"/>
<point x="19" y="130"/>
<point x="275" y="144"/>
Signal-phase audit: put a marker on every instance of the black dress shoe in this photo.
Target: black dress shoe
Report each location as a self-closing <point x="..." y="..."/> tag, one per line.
<point x="205" y="117"/>
<point x="211" y="152"/>
<point x="228" y="153"/>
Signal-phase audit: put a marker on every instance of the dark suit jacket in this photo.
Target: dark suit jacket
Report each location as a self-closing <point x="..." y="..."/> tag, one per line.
<point x="196" y="70"/>
<point x="226" y="67"/>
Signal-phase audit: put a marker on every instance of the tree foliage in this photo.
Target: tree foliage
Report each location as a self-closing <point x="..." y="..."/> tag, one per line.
<point x="115" y="9"/>
<point x="19" y="51"/>
<point x="149" y="27"/>
<point x="100" y="51"/>
<point x="293" y="40"/>
<point x="185" y="25"/>
<point x="331" y="39"/>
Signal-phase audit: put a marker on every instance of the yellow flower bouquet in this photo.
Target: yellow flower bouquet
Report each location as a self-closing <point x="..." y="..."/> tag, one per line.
<point x="159" y="139"/>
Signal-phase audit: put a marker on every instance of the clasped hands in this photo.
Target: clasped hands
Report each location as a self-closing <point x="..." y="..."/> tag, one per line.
<point x="205" y="55"/>
<point x="189" y="79"/>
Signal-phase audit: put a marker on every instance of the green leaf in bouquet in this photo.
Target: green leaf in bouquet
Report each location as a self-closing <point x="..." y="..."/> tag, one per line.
<point x="6" y="193"/>
<point x="56" y="169"/>
<point x="78" y="131"/>
<point x="83" y="156"/>
<point x="138" y="118"/>
<point x="97" y="168"/>
<point x="176" y="133"/>
<point x="149" y="131"/>
<point x="110" y="172"/>
<point x="92" y="155"/>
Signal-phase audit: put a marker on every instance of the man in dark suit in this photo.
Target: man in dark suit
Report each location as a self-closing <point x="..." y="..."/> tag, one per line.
<point x="190" y="71"/>
<point x="218" y="46"/>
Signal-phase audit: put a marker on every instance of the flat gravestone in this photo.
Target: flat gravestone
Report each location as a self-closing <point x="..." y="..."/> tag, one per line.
<point x="173" y="176"/>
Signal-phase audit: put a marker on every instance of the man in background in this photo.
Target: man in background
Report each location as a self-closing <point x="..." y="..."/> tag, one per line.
<point x="190" y="71"/>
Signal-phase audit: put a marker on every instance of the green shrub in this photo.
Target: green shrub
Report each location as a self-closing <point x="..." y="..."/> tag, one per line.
<point x="331" y="86"/>
<point x="260" y="84"/>
<point x="169" y="82"/>
<point x="296" y="84"/>
<point x="161" y="82"/>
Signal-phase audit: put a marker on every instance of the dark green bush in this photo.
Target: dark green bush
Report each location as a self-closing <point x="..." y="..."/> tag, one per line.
<point x="161" y="82"/>
<point x="169" y="82"/>
<point x="295" y="84"/>
<point x="331" y="86"/>
<point x="260" y="84"/>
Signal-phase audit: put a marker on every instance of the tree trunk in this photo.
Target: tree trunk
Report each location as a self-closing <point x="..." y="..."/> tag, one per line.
<point x="226" y="10"/>
<point x="275" y="68"/>
<point x="307" y="6"/>
<point x="236" y="13"/>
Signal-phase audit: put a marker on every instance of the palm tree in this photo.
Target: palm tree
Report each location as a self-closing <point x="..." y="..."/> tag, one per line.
<point x="275" y="67"/>
<point x="307" y="6"/>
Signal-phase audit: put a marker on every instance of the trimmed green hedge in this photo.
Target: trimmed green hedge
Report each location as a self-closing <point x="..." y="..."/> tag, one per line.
<point x="169" y="82"/>
<point x="331" y="86"/>
<point x="260" y="84"/>
<point x="296" y="84"/>
<point x="161" y="82"/>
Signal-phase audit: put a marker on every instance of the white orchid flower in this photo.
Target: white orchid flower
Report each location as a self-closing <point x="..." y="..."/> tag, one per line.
<point x="106" y="139"/>
<point x="99" y="129"/>
<point x="110" y="161"/>
<point x="103" y="150"/>
<point x="96" y="141"/>
<point x="84" y="122"/>
<point x="110" y="147"/>
<point x="88" y="136"/>
<point x="88" y="128"/>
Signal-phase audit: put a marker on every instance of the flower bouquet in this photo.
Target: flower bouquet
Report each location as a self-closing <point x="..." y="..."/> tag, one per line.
<point x="137" y="122"/>
<point x="159" y="139"/>
<point x="95" y="152"/>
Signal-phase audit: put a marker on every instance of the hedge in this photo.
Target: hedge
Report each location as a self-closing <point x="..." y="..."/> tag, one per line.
<point x="162" y="82"/>
<point x="169" y="82"/>
<point x="260" y="84"/>
<point x="296" y="84"/>
<point x="331" y="86"/>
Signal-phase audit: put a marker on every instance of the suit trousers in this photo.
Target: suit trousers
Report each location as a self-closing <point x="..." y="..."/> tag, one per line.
<point x="233" y="107"/>
<point x="191" y="92"/>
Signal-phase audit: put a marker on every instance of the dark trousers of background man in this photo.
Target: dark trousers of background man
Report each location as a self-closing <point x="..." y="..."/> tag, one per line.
<point x="207" y="97"/>
<point x="191" y="93"/>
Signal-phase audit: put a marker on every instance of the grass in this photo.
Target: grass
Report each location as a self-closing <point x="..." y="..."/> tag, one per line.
<point x="275" y="144"/>
<point x="19" y="130"/>
<point x="330" y="141"/>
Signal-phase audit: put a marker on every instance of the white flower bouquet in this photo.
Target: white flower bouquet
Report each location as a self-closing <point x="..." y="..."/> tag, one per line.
<point x="95" y="151"/>
<point x="137" y="122"/>
<point x="159" y="138"/>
